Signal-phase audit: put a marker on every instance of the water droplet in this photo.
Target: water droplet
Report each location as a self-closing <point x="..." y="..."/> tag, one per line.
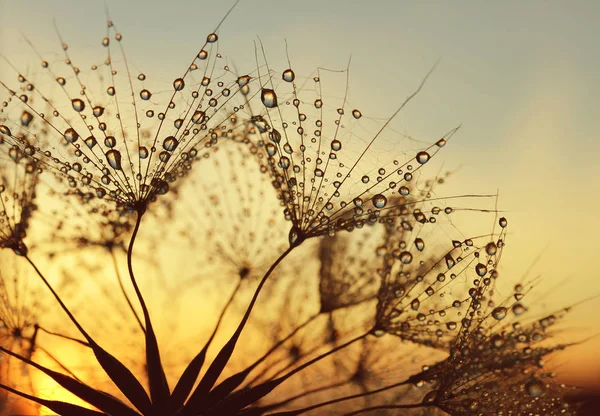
<point x="406" y="257"/>
<point x="451" y="326"/>
<point x="423" y="157"/>
<point x="98" y="111"/>
<point x="141" y="77"/>
<point x="178" y="84"/>
<point x="5" y="130"/>
<point x="481" y="269"/>
<point x="78" y="105"/>
<point x="499" y="313"/>
<point x="269" y="98"/>
<point x="105" y="42"/>
<point x="90" y="142"/>
<point x="61" y="81"/>
<point x="336" y="145"/>
<point x="170" y="143"/>
<point x="379" y="201"/>
<point x="419" y="244"/>
<point x="198" y="117"/>
<point x="111" y="91"/>
<point x="143" y="152"/>
<point x="518" y="309"/>
<point x="288" y="75"/>
<point x="114" y="159"/>
<point x="26" y="118"/>
<point x="534" y="387"/>
<point x="491" y="248"/>
<point x="503" y="222"/>
<point x="145" y="94"/>
<point x="71" y="135"/>
<point x="414" y="305"/>
<point x="356" y="114"/>
<point x="212" y="38"/>
<point x="318" y="103"/>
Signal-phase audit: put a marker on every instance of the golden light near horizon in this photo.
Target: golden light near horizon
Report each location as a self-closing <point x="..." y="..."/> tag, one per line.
<point x="525" y="149"/>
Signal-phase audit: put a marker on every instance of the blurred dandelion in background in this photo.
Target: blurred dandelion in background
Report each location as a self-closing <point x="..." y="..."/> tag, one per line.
<point x="239" y="238"/>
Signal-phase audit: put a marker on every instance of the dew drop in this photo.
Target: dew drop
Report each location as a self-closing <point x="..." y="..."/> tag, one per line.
<point x="198" y="117"/>
<point x="143" y="151"/>
<point x="414" y="305"/>
<point x="178" y="84"/>
<point x="26" y="118"/>
<point x="356" y="114"/>
<point x="113" y="158"/>
<point x="288" y="75"/>
<point x="78" y="105"/>
<point x="406" y="257"/>
<point x="141" y="77"/>
<point x="534" y="387"/>
<point x="491" y="248"/>
<point x="419" y="244"/>
<point x="268" y="98"/>
<point x="170" y="143"/>
<point x="98" y="111"/>
<point x="110" y="91"/>
<point x="503" y="222"/>
<point x="336" y="145"/>
<point x="499" y="313"/>
<point x="90" y="142"/>
<point x="212" y="38"/>
<point x="379" y="201"/>
<point x="423" y="157"/>
<point x="71" y="135"/>
<point x="145" y="94"/>
<point x="481" y="269"/>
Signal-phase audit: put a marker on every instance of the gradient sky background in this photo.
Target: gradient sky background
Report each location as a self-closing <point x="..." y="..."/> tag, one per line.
<point x="521" y="77"/>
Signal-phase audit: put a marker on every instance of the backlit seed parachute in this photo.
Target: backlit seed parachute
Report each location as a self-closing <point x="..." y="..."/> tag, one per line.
<point x="323" y="171"/>
<point x="107" y="135"/>
<point x="18" y="181"/>
<point x="427" y="287"/>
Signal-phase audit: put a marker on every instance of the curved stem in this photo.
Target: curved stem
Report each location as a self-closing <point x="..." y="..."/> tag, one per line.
<point x="56" y="334"/>
<point x="130" y="267"/>
<point x="304" y="394"/>
<point x="120" y="280"/>
<point x="345" y="398"/>
<point x="218" y="365"/>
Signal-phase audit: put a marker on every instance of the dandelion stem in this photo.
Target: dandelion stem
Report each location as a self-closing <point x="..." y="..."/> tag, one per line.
<point x="114" y="260"/>
<point x="345" y="398"/>
<point x="304" y="394"/>
<point x="216" y="368"/>
<point x="159" y="388"/>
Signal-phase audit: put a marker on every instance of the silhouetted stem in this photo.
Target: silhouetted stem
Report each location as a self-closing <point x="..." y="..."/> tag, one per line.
<point x="387" y="407"/>
<point x="59" y="300"/>
<point x="61" y="365"/>
<point x="120" y="280"/>
<point x="283" y="341"/>
<point x="345" y="398"/>
<point x="222" y="358"/>
<point x="159" y="388"/>
<point x="56" y="334"/>
<point x="304" y="394"/>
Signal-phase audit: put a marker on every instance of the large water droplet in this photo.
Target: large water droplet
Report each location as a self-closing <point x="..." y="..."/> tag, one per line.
<point x="356" y="114"/>
<point x="414" y="305"/>
<point x="113" y="158"/>
<point x="78" y="105"/>
<point x="288" y="75"/>
<point x="212" y="38"/>
<point x="26" y="118"/>
<point x="5" y="130"/>
<point x="71" y="135"/>
<point x="481" y="269"/>
<point x="419" y="244"/>
<point x="143" y="152"/>
<point x="145" y="94"/>
<point x="499" y="313"/>
<point x="198" y="117"/>
<point x="379" y="201"/>
<point x="170" y="143"/>
<point x="423" y="157"/>
<point x="336" y="145"/>
<point x="98" y="111"/>
<point x="534" y="387"/>
<point x="269" y="98"/>
<point x="178" y="84"/>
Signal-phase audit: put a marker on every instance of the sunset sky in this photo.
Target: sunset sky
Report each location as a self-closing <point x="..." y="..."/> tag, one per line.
<point x="521" y="77"/>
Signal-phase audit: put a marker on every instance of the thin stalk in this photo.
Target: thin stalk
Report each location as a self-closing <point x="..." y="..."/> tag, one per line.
<point x="219" y="363"/>
<point x="304" y="394"/>
<point x="345" y="398"/>
<point x="120" y="280"/>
